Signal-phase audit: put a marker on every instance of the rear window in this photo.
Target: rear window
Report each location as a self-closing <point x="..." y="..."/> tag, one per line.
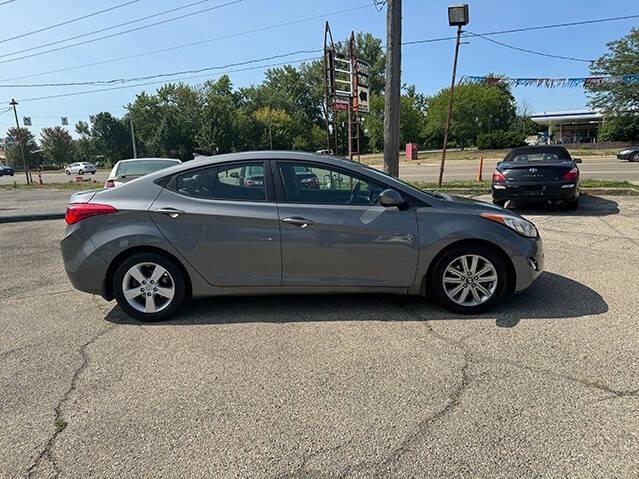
<point x="539" y="155"/>
<point x="143" y="167"/>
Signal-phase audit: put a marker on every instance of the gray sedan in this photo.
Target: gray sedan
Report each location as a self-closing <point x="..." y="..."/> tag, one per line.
<point x="202" y="229"/>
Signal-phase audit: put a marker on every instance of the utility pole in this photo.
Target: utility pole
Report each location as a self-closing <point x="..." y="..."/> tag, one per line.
<point x="393" y="85"/>
<point x="135" y="150"/>
<point x="457" y="16"/>
<point x="24" y="162"/>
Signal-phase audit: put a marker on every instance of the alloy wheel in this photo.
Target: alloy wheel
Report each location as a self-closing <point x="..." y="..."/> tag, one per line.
<point x="148" y="287"/>
<point x="470" y="280"/>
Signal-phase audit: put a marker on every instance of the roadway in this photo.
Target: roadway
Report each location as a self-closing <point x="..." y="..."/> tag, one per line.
<point x="604" y="168"/>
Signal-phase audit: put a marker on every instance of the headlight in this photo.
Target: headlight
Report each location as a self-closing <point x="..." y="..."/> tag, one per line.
<point x="520" y="225"/>
<point x="624" y="152"/>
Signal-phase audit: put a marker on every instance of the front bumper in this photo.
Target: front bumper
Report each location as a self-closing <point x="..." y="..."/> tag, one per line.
<point x="623" y="156"/>
<point x="536" y="192"/>
<point x="530" y="264"/>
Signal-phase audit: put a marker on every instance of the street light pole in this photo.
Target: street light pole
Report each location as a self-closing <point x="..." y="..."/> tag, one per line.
<point x="450" y="106"/>
<point x="24" y="163"/>
<point x="457" y="16"/>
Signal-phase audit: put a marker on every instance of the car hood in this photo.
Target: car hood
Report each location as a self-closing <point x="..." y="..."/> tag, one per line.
<point x="459" y="202"/>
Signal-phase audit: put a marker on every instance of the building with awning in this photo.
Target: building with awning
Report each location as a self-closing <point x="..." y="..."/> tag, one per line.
<point x="578" y="126"/>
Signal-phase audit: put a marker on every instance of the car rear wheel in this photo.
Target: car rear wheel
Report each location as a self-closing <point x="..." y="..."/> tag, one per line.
<point x="149" y="286"/>
<point x="80" y="172"/>
<point x="470" y="279"/>
<point x="572" y="205"/>
<point x="501" y="203"/>
<point x="67" y="172"/>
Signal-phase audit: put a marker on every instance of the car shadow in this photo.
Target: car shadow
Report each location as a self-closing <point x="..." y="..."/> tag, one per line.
<point x="552" y="296"/>
<point x="589" y="205"/>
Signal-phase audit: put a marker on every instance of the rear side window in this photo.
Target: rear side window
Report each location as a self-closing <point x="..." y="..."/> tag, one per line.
<point x="241" y="182"/>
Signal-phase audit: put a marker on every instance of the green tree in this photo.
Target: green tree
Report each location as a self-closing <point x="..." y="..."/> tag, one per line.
<point x="57" y="145"/>
<point x="32" y="154"/>
<point x="276" y="129"/>
<point x="477" y="109"/>
<point x="622" y="58"/>
<point x="217" y="131"/>
<point x="620" y="128"/>
<point x="111" y="137"/>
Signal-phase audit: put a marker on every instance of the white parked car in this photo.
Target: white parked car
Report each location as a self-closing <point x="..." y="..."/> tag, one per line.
<point x="80" y="168"/>
<point x="127" y="170"/>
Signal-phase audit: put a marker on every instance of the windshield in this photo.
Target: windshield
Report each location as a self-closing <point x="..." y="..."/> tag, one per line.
<point x="143" y="167"/>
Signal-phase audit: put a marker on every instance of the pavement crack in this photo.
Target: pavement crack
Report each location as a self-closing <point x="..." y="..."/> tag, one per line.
<point x="59" y="422"/>
<point x="9" y="352"/>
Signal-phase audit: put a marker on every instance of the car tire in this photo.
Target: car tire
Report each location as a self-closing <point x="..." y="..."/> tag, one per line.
<point x="80" y="172"/>
<point x="634" y="157"/>
<point x="67" y="172"/>
<point x="572" y="205"/>
<point x="489" y="257"/>
<point x="501" y="203"/>
<point x="93" y="172"/>
<point x="143" y="265"/>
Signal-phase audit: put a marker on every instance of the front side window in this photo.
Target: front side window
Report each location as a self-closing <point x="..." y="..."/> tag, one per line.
<point x="243" y="182"/>
<point x="308" y="183"/>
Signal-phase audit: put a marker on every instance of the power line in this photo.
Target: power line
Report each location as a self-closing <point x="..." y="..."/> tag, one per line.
<point x="8" y="1"/>
<point x="201" y="42"/>
<point x="526" y="29"/>
<point x="162" y="75"/>
<point x="549" y="55"/>
<point x="62" y="95"/>
<point x="167" y="20"/>
<point x="50" y="27"/>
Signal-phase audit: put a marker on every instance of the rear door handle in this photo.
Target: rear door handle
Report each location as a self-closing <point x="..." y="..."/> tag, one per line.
<point x="297" y="221"/>
<point x="172" y="212"/>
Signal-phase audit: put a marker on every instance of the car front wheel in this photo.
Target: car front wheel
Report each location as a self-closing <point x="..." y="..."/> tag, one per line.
<point x="80" y="172"/>
<point x="634" y="157"/>
<point x="469" y="279"/>
<point x="149" y="286"/>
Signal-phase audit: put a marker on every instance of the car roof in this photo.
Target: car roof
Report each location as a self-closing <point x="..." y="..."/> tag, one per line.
<point x="144" y="159"/>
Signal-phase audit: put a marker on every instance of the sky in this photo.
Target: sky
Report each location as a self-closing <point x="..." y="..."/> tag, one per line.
<point x="428" y="65"/>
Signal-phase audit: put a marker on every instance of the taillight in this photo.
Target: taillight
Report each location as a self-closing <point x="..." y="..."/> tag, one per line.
<point x="498" y="177"/>
<point x="571" y="175"/>
<point x="109" y="184"/>
<point x="79" y="211"/>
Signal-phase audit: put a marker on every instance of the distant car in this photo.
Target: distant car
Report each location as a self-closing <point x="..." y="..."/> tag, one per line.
<point x="536" y="174"/>
<point x="127" y="170"/>
<point x="630" y="154"/>
<point x="324" y="152"/>
<point x="80" y="168"/>
<point x="6" y="170"/>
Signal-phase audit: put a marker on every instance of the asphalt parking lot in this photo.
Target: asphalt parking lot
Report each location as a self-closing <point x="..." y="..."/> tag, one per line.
<point x="546" y="385"/>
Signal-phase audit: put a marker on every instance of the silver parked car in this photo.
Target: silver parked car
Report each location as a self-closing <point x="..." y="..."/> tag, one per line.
<point x="205" y="228"/>
<point x="80" y="168"/>
<point x="127" y="170"/>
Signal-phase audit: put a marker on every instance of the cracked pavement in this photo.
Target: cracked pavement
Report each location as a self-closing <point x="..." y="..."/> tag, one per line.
<point x="545" y="385"/>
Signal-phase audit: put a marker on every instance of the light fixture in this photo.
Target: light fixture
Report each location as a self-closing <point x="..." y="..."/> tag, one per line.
<point x="458" y="15"/>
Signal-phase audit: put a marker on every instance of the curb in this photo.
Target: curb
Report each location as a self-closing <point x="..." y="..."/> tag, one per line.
<point x="33" y="217"/>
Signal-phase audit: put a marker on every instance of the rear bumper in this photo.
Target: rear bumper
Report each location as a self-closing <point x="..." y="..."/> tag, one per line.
<point x="85" y="268"/>
<point x="558" y="191"/>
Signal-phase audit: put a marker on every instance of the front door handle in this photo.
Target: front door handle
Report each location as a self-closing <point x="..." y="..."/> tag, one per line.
<point x="172" y="212"/>
<point x="297" y="221"/>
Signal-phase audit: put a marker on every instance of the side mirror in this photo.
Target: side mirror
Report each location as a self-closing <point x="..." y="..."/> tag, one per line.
<point x="388" y="198"/>
<point x="577" y="160"/>
<point x="235" y="174"/>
